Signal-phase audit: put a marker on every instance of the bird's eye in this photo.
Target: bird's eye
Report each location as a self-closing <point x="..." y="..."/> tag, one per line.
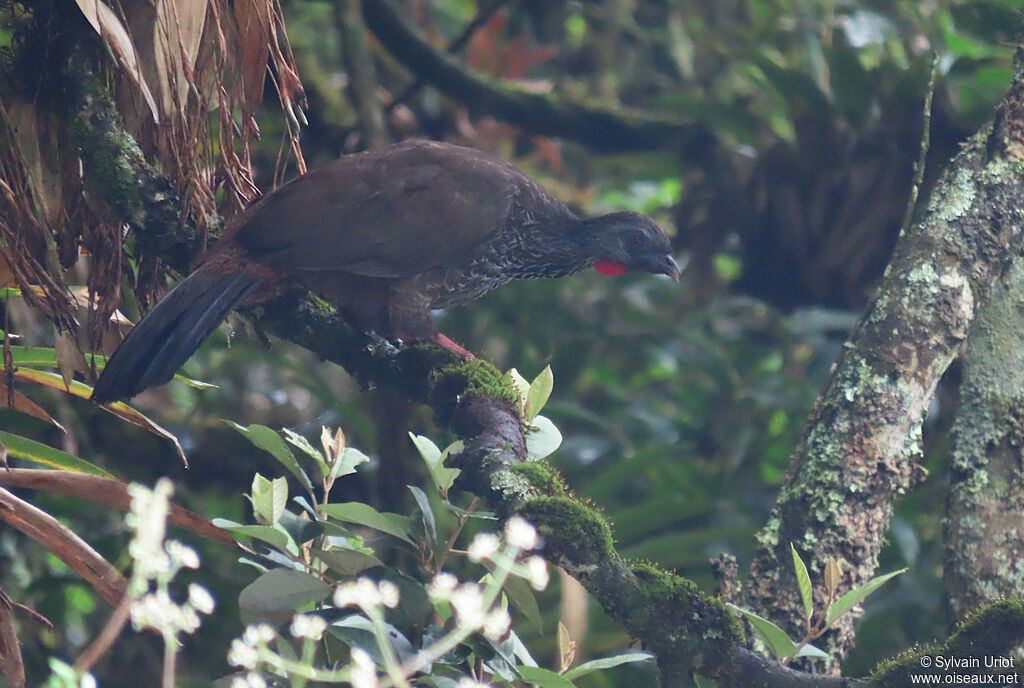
<point x="636" y="239"/>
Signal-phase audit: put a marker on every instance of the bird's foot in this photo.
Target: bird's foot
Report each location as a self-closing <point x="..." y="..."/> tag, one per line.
<point x="449" y="345"/>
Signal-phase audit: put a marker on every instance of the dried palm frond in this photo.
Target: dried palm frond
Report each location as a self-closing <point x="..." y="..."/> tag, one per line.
<point x="174" y="90"/>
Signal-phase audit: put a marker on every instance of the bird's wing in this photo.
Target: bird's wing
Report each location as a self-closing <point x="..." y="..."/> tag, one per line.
<point x="391" y="213"/>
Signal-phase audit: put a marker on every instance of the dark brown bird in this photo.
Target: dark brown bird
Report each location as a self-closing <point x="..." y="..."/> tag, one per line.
<point x="385" y="237"/>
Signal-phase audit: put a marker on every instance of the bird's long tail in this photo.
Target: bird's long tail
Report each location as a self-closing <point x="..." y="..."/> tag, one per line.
<point x="170" y="333"/>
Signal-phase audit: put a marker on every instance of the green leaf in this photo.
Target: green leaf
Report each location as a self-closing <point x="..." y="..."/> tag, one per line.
<point x="433" y="681"/>
<point x="302" y="443"/>
<point x="478" y="513"/>
<point x="47" y="358"/>
<point x="301" y="529"/>
<point x="357" y="631"/>
<point x="545" y="678"/>
<point x="268" y="440"/>
<point x="269" y="498"/>
<point x="774" y="637"/>
<point x="607" y="663"/>
<point x="442" y="477"/>
<point x="426" y="515"/>
<point x="84" y="391"/>
<point x="542" y="438"/>
<point x="808" y="650"/>
<point x="274" y="535"/>
<point x="414" y="603"/>
<point x="347" y="462"/>
<point x="346" y="562"/>
<point x="540" y="390"/>
<point x="521" y="384"/>
<point x="276" y="595"/>
<point x="519" y="650"/>
<point x="565" y="644"/>
<point x="23" y="448"/>
<point x="856" y="596"/>
<point x="426" y="447"/>
<point x="365" y="515"/>
<point x="803" y="580"/>
<point x="520" y="594"/>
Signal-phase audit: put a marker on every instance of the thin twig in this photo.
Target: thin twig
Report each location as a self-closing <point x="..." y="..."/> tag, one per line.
<point x="463" y="518"/>
<point x="65" y="545"/>
<point x="922" y="158"/>
<point x="107" y="492"/>
<point x="11" y="664"/>
<point x="110" y="632"/>
<point x="455" y="46"/>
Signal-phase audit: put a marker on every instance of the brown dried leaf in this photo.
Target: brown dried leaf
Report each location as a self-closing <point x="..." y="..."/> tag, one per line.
<point x="37" y="148"/>
<point x="179" y="31"/>
<point x="14" y="399"/>
<point x="253" y="18"/>
<point x="69" y="357"/>
<point x="107" y="24"/>
<point x="833" y="576"/>
<point x="81" y="298"/>
<point x="6" y="275"/>
<point x="333" y="446"/>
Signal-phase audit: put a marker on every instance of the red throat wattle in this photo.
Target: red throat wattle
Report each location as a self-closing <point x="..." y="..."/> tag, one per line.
<point x="610" y="267"/>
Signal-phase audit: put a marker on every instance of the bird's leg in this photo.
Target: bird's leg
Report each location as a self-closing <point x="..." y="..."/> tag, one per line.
<point x="449" y="345"/>
<point x="409" y="314"/>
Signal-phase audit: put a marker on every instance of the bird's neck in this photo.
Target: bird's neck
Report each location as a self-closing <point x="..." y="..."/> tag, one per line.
<point x="554" y="248"/>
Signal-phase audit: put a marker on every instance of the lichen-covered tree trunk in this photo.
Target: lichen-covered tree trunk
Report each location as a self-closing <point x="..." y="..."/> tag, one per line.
<point x="985" y="513"/>
<point x="861" y="446"/>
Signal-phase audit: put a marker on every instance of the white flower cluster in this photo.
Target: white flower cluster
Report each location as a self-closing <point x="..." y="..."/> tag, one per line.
<point x="250" y="680"/>
<point x="521" y="536"/>
<point x="157" y="560"/>
<point x="365" y="593"/>
<point x="466" y="682"/>
<point x="309" y="626"/>
<point x="245" y="651"/>
<point x="364" y="673"/>
<point x="148" y="518"/>
<point x="66" y="676"/>
<point x="537" y="572"/>
<point x="467" y="599"/>
<point x="484" y="546"/>
<point x="158" y="611"/>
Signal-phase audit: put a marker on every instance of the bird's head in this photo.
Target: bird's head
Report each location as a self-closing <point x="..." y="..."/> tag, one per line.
<point x="627" y="241"/>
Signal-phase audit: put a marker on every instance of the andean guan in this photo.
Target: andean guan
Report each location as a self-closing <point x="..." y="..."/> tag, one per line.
<point x="385" y="237"/>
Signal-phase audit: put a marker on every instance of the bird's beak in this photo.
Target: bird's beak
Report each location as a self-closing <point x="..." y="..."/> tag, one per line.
<point x="671" y="268"/>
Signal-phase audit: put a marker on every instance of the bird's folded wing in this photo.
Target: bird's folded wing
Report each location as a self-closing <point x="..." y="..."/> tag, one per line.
<point x="392" y="214"/>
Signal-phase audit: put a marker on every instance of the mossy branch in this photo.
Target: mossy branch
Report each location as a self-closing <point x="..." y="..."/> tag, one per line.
<point x="597" y="126"/>
<point x="114" y="169"/>
<point x="984" y="509"/>
<point x="994" y="631"/>
<point x="861" y="447"/>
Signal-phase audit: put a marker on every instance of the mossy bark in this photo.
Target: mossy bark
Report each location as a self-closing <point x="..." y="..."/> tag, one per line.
<point x="861" y="446"/>
<point x="984" y="525"/>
